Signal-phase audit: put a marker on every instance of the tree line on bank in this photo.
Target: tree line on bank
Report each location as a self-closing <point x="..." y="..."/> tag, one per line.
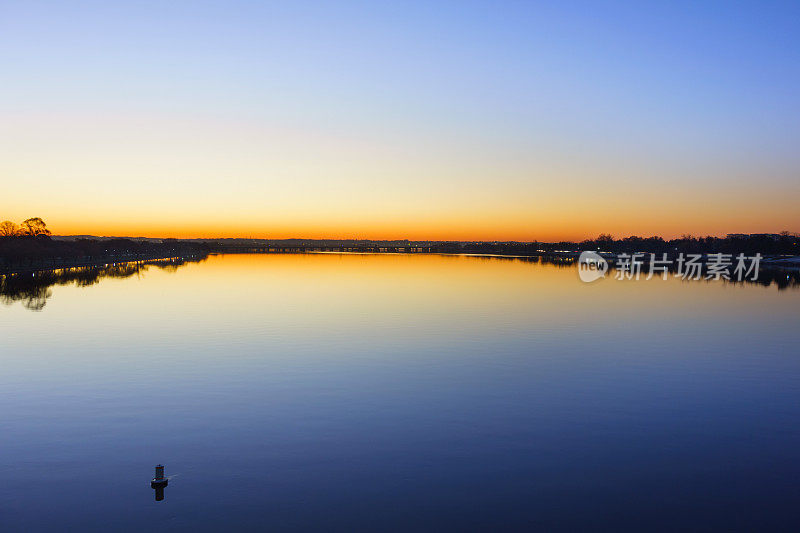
<point x="31" y="227"/>
<point x="30" y="242"/>
<point x="785" y="243"/>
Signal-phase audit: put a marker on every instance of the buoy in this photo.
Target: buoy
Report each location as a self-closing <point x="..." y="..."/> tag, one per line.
<point x="159" y="480"/>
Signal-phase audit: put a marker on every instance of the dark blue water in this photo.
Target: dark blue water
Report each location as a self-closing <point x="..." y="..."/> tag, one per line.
<point x="400" y="393"/>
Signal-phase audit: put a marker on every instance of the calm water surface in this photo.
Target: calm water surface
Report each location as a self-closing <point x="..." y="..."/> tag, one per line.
<point x="404" y="393"/>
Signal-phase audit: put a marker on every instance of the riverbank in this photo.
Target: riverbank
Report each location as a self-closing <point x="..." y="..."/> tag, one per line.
<point x="34" y="254"/>
<point x="60" y="264"/>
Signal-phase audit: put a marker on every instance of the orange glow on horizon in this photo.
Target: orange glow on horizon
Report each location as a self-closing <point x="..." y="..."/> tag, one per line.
<point x="455" y="231"/>
<point x="127" y="176"/>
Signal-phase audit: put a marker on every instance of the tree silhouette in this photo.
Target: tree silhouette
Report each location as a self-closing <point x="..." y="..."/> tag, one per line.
<point x="8" y="229"/>
<point x="33" y="227"/>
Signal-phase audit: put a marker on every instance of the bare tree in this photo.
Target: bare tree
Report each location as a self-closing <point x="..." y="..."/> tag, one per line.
<point x="8" y="229"/>
<point x="605" y="239"/>
<point x="33" y="227"/>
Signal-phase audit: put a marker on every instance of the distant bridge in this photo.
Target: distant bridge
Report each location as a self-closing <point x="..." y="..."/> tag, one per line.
<point x="317" y="248"/>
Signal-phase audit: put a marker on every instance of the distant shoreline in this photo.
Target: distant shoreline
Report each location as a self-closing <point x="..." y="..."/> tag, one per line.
<point x="31" y="254"/>
<point x="41" y="253"/>
<point x="53" y="264"/>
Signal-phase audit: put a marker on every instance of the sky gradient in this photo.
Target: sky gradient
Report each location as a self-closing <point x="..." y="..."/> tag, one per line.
<point x="420" y="120"/>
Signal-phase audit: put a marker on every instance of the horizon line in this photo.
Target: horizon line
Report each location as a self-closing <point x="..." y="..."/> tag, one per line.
<point x="686" y="235"/>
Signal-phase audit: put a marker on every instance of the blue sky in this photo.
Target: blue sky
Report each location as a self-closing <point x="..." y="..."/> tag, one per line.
<point x="555" y="96"/>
